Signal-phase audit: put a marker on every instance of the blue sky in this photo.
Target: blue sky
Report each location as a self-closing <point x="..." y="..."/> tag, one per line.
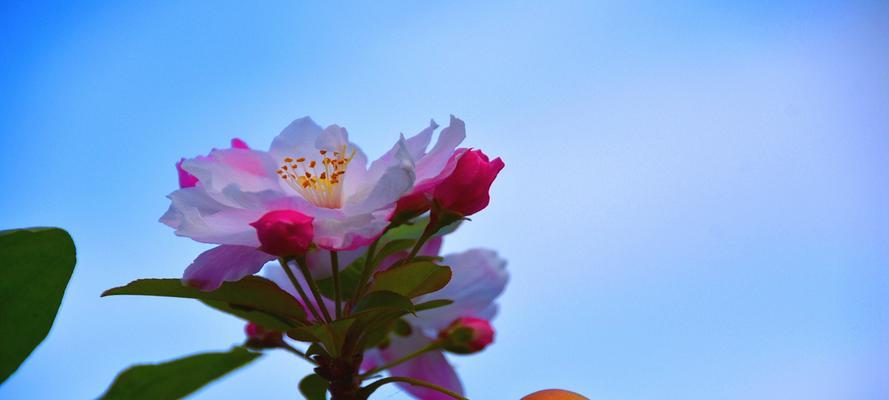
<point x="694" y="204"/>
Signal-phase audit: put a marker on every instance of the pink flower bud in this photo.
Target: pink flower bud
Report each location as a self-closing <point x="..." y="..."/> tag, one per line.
<point x="465" y="191"/>
<point x="467" y="335"/>
<point x="259" y="337"/>
<point x="284" y="233"/>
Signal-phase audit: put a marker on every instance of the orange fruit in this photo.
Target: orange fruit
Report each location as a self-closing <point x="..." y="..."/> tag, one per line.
<point x="554" y="394"/>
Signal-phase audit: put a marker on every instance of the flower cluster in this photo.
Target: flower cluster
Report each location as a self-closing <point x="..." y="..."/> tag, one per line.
<point x="357" y="248"/>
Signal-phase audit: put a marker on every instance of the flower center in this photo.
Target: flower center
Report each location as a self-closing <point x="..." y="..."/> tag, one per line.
<point x="320" y="184"/>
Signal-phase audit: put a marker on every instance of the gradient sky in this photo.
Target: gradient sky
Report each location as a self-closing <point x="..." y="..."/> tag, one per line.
<point x="694" y="204"/>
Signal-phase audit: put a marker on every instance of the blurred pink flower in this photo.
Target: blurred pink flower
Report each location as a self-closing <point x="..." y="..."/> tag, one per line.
<point x="478" y="278"/>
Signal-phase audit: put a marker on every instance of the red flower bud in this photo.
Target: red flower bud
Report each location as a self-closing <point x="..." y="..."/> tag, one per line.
<point x="259" y="337"/>
<point x="465" y="191"/>
<point x="467" y="335"/>
<point x="284" y="233"/>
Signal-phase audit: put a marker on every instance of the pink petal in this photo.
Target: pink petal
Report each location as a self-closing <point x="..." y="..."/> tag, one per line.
<point x="224" y="263"/>
<point x="433" y="162"/>
<point x="186" y="180"/>
<point x="392" y="182"/>
<point x="239" y="144"/>
<point x="431" y="367"/>
<point x="250" y="170"/>
<point x="349" y="232"/>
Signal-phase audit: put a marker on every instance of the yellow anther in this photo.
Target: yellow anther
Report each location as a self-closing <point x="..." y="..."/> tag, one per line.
<point x="322" y="188"/>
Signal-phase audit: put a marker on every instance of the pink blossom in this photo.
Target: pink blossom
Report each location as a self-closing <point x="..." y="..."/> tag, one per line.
<point x="307" y="169"/>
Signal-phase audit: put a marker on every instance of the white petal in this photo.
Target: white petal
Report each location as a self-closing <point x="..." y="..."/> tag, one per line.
<point x="297" y="139"/>
<point x="350" y="232"/>
<point x="385" y="190"/>
<point x="432" y="163"/>
<point x="333" y="138"/>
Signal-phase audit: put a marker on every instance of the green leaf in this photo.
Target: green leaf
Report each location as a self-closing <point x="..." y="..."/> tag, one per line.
<point x="314" y="387"/>
<point x="35" y="266"/>
<point x="414" y="229"/>
<point x="412" y="280"/>
<point x="331" y="335"/>
<point x="178" y="378"/>
<point x="396" y="239"/>
<point x="252" y="298"/>
<point x="393" y="247"/>
<point x="349" y="277"/>
<point x="402" y="328"/>
<point x="385" y="300"/>
<point x="428" y="305"/>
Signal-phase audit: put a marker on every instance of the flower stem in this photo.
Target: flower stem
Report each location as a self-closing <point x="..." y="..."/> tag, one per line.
<point x="301" y="263"/>
<point x="297" y="352"/>
<point x="366" y="272"/>
<point x="424" y="237"/>
<point x="337" y="295"/>
<point x="299" y="289"/>
<point x="367" y="390"/>
<point x="421" y="351"/>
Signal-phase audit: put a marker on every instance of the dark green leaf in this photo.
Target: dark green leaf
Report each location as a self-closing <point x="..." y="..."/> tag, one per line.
<point x="397" y="239"/>
<point x="349" y="277"/>
<point x="412" y="280"/>
<point x="330" y="335"/>
<point x="313" y="387"/>
<point x="351" y="274"/>
<point x="414" y="229"/>
<point x="252" y="298"/>
<point x="428" y="305"/>
<point x="393" y="247"/>
<point x="383" y="299"/>
<point x="318" y="349"/>
<point x="178" y="378"/>
<point x="402" y="328"/>
<point x="35" y="266"/>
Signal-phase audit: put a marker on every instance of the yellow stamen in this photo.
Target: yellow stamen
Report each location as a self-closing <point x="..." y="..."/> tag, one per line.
<point x="323" y="188"/>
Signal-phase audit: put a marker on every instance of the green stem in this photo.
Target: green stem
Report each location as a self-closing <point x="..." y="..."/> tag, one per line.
<point x="297" y="352"/>
<point x="423" y="350"/>
<point x="299" y="289"/>
<point x="337" y="296"/>
<point x="424" y="237"/>
<point x="301" y="263"/>
<point x="366" y="272"/>
<point x="367" y="390"/>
